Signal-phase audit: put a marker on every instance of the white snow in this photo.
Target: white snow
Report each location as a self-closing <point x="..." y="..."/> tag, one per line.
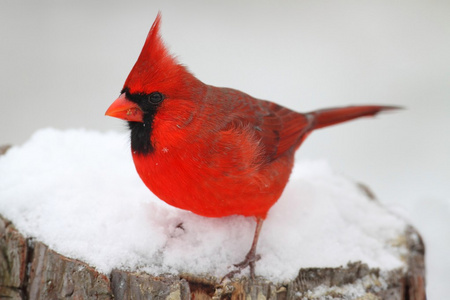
<point x="78" y="192"/>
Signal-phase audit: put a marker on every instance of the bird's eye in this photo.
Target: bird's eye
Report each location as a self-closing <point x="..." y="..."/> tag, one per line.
<point x="155" y="97"/>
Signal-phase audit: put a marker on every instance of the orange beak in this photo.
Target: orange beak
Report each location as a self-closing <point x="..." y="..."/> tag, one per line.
<point x="126" y="110"/>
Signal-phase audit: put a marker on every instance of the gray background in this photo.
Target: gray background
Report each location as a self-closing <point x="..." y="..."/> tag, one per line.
<point x="63" y="62"/>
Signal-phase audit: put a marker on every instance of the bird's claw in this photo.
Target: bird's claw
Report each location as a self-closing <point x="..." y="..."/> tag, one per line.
<point x="249" y="261"/>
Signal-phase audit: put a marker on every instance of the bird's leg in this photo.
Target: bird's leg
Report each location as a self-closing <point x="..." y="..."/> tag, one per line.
<point x="251" y="258"/>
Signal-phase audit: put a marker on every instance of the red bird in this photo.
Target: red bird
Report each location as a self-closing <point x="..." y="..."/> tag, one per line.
<point x="213" y="151"/>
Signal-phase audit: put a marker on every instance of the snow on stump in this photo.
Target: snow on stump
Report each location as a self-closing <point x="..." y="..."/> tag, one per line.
<point x="74" y="225"/>
<point x="29" y="270"/>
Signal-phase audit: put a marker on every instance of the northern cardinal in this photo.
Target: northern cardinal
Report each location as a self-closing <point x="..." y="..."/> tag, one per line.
<point x="213" y="151"/>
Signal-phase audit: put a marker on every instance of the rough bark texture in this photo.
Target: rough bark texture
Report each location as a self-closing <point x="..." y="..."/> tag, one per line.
<point x="29" y="270"/>
<point x="13" y="261"/>
<point x="53" y="276"/>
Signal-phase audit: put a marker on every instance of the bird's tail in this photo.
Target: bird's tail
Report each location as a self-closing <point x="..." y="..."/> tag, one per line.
<point x="331" y="116"/>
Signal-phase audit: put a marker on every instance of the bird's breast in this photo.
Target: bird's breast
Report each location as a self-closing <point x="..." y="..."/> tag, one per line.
<point x="208" y="183"/>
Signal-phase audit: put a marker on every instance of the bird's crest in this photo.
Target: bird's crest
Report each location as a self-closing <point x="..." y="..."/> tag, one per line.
<point x="155" y="66"/>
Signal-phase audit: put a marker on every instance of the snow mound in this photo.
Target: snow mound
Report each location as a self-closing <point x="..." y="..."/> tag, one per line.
<point x="78" y="192"/>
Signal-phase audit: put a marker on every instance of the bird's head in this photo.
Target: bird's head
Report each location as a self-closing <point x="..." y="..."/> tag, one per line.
<point x="157" y="87"/>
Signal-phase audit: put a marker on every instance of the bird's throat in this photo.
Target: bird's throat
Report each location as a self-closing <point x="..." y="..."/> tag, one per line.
<point x="141" y="133"/>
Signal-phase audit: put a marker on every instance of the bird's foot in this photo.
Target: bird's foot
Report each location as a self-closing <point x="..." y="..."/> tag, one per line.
<point x="250" y="259"/>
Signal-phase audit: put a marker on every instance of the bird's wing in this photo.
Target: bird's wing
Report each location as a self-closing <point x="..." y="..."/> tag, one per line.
<point x="281" y="129"/>
<point x="277" y="128"/>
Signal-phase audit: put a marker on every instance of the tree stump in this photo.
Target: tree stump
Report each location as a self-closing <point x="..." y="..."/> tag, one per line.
<point x="30" y="270"/>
